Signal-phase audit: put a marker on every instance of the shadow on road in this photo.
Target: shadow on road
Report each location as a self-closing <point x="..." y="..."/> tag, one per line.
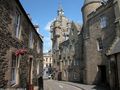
<point x="101" y="88"/>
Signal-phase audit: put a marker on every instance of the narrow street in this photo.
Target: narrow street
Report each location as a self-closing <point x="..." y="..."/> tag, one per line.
<point x="56" y="85"/>
<point x="59" y="44"/>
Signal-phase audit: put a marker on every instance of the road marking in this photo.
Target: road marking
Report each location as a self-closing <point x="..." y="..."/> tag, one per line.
<point x="60" y="86"/>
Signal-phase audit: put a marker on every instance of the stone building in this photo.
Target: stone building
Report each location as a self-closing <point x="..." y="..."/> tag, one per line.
<point x="47" y="63"/>
<point x="114" y="51"/>
<point x="64" y="36"/>
<point x="47" y="59"/>
<point x="101" y="42"/>
<point x="21" y="47"/>
<point x="59" y="33"/>
<point x="70" y="56"/>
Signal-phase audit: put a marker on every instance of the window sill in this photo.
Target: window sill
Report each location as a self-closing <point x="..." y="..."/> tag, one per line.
<point x="102" y="28"/>
<point x="13" y="83"/>
<point x="18" y="39"/>
<point x="99" y="50"/>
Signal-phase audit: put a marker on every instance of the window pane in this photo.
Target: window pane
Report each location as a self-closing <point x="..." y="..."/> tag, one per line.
<point x="100" y="44"/>
<point x="17" y="23"/>
<point x="31" y="40"/>
<point x="103" y="22"/>
<point x="13" y="74"/>
<point x="13" y="60"/>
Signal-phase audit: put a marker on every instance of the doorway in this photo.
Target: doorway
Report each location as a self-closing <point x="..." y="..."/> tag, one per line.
<point x="114" y="73"/>
<point x="102" y="71"/>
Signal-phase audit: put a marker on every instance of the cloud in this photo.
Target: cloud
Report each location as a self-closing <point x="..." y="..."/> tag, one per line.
<point x="47" y="27"/>
<point x="47" y="39"/>
<point x="47" y="44"/>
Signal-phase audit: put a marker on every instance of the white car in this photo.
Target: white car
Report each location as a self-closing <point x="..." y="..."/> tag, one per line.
<point x="50" y="76"/>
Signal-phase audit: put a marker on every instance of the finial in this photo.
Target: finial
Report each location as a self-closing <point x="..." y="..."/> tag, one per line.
<point x="60" y="9"/>
<point x="59" y="5"/>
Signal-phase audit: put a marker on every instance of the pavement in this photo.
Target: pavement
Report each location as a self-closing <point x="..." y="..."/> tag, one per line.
<point x="56" y="85"/>
<point x="63" y="85"/>
<point x="85" y="87"/>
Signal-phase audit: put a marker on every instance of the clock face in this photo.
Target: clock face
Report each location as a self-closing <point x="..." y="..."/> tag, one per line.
<point x="61" y="12"/>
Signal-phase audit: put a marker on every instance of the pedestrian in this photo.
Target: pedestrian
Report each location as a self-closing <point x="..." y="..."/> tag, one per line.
<point x="40" y="83"/>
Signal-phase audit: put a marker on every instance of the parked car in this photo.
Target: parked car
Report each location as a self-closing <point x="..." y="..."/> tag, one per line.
<point x="50" y="76"/>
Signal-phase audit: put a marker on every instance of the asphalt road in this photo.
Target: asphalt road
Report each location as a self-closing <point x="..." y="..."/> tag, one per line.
<point x="56" y="85"/>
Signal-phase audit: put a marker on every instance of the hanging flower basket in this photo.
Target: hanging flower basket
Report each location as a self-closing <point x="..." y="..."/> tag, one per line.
<point x="20" y="52"/>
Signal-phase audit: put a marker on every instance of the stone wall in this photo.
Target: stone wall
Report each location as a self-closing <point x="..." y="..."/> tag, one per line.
<point x="118" y="64"/>
<point x="9" y="44"/>
<point x="93" y="57"/>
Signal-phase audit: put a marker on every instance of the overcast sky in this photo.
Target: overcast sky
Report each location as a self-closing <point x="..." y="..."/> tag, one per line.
<point x="43" y="12"/>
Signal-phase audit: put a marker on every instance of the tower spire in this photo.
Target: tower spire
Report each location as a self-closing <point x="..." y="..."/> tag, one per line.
<point x="60" y="9"/>
<point x="59" y="5"/>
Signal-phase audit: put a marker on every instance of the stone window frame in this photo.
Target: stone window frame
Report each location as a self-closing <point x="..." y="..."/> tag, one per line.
<point x="31" y="40"/>
<point x="38" y="46"/>
<point x="14" y="69"/>
<point x="67" y="50"/>
<point x="31" y="64"/>
<point x="64" y="62"/>
<point x="38" y="68"/>
<point x="64" y="51"/>
<point x="72" y="32"/>
<point x="46" y="64"/>
<point x="46" y="59"/>
<point x="64" y="73"/>
<point x="99" y="44"/>
<point x="75" y="62"/>
<point x="75" y="76"/>
<point x="68" y="62"/>
<point x="50" y="60"/>
<point x="103" y="22"/>
<point x="17" y="23"/>
<point x="73" y="48"/>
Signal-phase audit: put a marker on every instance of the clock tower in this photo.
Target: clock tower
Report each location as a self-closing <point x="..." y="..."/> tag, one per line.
<point x="60" y="29"/>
